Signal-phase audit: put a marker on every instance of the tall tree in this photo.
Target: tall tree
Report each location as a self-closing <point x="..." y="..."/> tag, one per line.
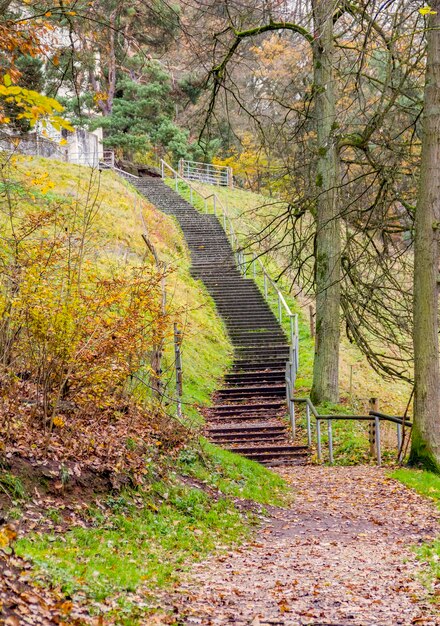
<point x="327" y="210"/>
<point x="328" y="238"/>
<point x="426" y="431"/>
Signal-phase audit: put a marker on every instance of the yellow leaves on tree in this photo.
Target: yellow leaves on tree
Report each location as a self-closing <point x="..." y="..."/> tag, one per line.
<point x="33" y="105"/>
<point x="426" y="10"/>
<point x="23" y="37"/>
<point x="250" y="165"/>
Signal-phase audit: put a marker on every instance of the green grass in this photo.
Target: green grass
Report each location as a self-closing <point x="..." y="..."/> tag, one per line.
<point x="137" y="543"/>
<point x="234" y="475"/>
<point x="428" y="485"/>
<point x="425" y="483"/>
<point x="12" y="486"/>
<point x="146" y="538"/>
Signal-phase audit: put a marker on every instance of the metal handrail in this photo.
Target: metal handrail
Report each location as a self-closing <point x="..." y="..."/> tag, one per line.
<point x="213" y="165"/>
<point x="373" y="416"/>
<point x="206" y="172"/>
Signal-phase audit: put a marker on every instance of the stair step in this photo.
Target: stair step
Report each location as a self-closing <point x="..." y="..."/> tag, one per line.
<point x="257" y="390"/>
<point x="258" y="427"/>
<point x="267" y="450"/>
<point x="224" y="409"/>
<point x="251" y="434"/>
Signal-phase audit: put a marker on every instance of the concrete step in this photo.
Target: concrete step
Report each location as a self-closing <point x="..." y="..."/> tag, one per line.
<point x="268" y="451"/>
<point x="259" y="362"/>
<point x="254" y="376"/>
<point x="246" y="428"/>
<point x="240" y="420"/>
<point x="244" y="393"/>
<point x="246" y="407"/>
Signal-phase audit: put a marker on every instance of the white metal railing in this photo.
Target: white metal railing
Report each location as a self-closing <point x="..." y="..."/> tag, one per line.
<point x="374" y="417"/>
<point x="256" y="266"/>
<point x="206" y="173"/>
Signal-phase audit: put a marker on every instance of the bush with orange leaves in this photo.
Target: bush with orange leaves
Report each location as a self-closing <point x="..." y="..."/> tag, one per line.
<point x="73" y="328"/>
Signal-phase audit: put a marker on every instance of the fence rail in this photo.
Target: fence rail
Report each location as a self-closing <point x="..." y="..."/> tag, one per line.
<point x="206" y="173"/>
<point x="375" y="417"/>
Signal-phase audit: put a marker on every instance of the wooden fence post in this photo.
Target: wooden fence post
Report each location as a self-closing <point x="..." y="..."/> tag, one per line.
<point x="374" y="406"/>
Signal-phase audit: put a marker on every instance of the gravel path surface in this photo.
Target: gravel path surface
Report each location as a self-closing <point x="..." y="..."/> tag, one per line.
<point x="340" y="556"/>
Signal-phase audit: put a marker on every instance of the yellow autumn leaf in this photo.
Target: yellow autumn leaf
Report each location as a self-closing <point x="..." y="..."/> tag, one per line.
<point x="7" y="535"/>
<point x="426" y="10"/>
<point x="58" y="421"/>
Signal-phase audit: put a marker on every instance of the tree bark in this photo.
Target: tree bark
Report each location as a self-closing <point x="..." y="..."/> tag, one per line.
<point x="425" y="448"/>
<point x="328" y="239"/>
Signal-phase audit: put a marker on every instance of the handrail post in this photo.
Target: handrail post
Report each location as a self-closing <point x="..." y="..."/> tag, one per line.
<point x="292" y="368"/>
<point x="292" y="416"/>
<point x="290" y="401"/>
<point x="399" y="441"/>
<point x="204" y="205"/>
<point x="309" y="425"/>
<point x="280" y="310"/>
<point x="288" y="383"/>
<point x="297" y="339"/>
<point x="292" y="329"/>
<point x="254" y="268"/>
<point x="377" y="434"/>
<point x="318" y="439"/>
<point x="330" y="441"/>
<point x="215" y="205"/>
<point x="162" y="169"/>
<point x="265" y="284"/>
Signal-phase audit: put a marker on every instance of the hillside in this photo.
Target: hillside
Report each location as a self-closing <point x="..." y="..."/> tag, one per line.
<point x="108" y="466"/>
<point x="121" y="217"/>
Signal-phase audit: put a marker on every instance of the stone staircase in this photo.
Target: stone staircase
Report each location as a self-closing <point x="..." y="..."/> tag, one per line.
<point x="248" y="412"/>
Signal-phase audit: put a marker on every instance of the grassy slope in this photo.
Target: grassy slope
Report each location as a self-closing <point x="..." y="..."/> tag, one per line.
<point x="118" y="235"/>
<point x="146" y="537"/>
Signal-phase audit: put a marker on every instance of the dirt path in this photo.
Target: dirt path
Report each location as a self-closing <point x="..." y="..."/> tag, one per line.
<point x="340" y="556"/>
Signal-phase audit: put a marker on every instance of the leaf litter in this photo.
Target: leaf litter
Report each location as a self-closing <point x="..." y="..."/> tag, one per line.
<point x="341" y="555"/>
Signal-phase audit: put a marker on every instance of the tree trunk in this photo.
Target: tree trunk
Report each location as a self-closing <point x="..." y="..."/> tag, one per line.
<point x="425" y="449"/>
<point x="328" y="238"/>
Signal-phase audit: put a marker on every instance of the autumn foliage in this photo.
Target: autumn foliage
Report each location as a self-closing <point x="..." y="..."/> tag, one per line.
<point x="76" y="334"/>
